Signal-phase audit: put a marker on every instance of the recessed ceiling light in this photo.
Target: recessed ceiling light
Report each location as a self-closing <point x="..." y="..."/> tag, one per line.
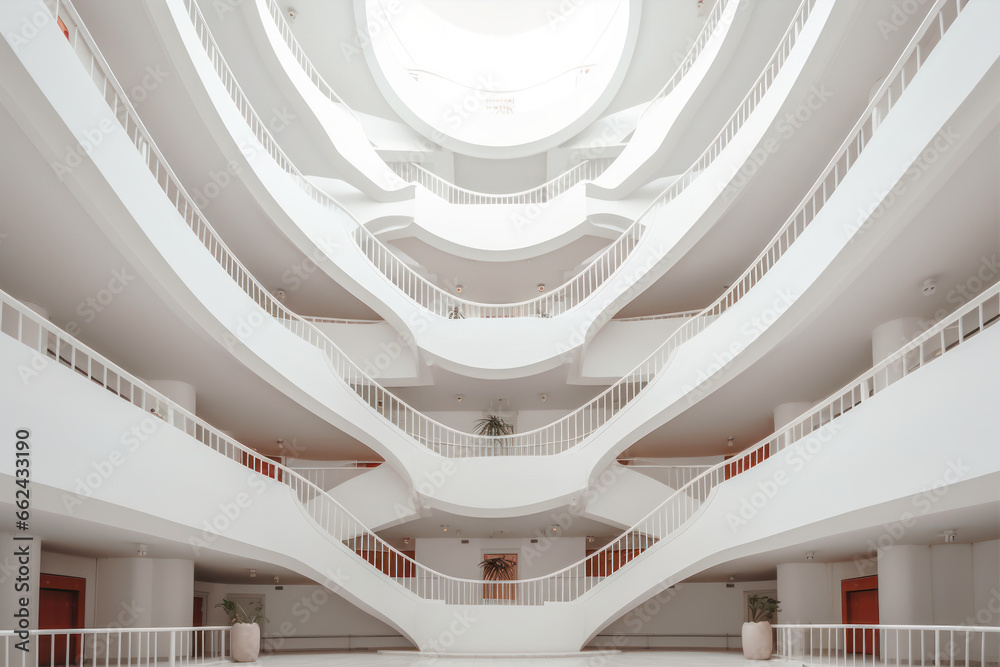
<point x="730" y="441"/>
<point x="544" y="397"/>
<point x="292" y="14"/>
<point x="810" y="555"/>
<point x="444" y="527"/>
<point x="541" y="287"/>
<point x="142" y="550"/>
<point x="458" y="289"/>
<point x="929" y="287"/>
<point x="253" y="574"/>
<point x="459" y="398"/>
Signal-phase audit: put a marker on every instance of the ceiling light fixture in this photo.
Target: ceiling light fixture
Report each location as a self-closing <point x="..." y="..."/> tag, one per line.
<point x="929" y="287"/>
<point x="277" y="580"/>
<point x="541" y="287"/>
<point x="459" y="398"/>
<point x="291" y="14"/>
<point x="406" y="541"/>
<point x="810" y="555"/>
<point x="444" y="527"/>
<point x="253" y="574"/>
<point x="590" y="539"/>
<point x="730" y="441"/>
<point x="544" y="397"/>
<point x="949" y="536"/>
<point x="142" y="550"/>
<point x="458" y="289"/>
<point x="281" y="443"/>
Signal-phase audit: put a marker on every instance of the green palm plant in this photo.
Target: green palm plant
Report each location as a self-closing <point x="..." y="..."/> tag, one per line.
<point x="497" y="569"/>
<point x="762" y="607"/>
<point x="236" y="613"/>
<point x="495" y="427"/>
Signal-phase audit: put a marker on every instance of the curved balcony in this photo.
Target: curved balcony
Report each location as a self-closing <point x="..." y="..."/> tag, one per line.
<point x="532" y="335"/>
<point x="702" y="524"/>
<point x="276" y="346"/>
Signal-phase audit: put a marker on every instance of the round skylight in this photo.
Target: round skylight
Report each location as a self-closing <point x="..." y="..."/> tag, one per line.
<point x="499" y="78"/>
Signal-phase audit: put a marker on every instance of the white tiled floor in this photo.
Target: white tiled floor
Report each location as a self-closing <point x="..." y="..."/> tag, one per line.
<point x="625" y="659"/>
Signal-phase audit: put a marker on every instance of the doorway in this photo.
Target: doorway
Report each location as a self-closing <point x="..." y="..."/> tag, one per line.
<point x="859" y="603"/>
<point x="501" y="591"/>
<point x="60" y="607"/>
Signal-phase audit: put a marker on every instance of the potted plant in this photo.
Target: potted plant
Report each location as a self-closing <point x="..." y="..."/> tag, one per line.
<point x="494" y="426"/>
<point x="245" y="640"/>
<point x="757" y="641"/>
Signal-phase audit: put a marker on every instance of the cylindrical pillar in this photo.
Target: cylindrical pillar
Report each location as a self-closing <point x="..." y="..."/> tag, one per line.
<point x="887" y="339"/>
<point x="182" y="393"/>
<point x="785" y="414"/>
<point x="804" y="591"/>
<point x="904" y="595"/>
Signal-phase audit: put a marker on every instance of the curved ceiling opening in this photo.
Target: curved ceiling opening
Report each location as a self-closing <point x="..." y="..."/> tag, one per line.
<point x="499" y="78"/>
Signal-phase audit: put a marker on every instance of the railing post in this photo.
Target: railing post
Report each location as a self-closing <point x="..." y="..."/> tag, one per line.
<point x="172" y="652"/>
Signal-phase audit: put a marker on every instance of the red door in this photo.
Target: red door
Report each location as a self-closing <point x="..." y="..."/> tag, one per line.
<point x="197" y="621"/>
<point x="859" y="598"/>
<point x="60" y="607"/>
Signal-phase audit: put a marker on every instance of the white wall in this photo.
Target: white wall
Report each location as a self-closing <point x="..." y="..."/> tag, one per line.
<point x="450" y="556"/>
<point x="305" y="617"/>
<point x="696" y="608"/>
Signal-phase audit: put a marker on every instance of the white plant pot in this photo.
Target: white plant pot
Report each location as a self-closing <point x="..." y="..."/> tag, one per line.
<point x="245" y="642"/>
<point x="757" y="642"/>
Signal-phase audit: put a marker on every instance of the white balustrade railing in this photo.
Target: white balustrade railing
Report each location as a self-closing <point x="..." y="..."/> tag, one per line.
<point x="674" y="476"/>
<point x="699" y="43"/>
<point x="121" y="647"/>
<point x="663" y="316"/>
<point x="587" y="170"/>
<point x="51" y="343"/>
<point x="572" y="429"/>
<point x="300" y="56"/>
<point x="890" y="645"/>
<point x="412" y="172"/>
<point x="445" y="304"/>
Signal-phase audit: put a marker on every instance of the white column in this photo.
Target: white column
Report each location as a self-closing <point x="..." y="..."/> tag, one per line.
<point x="904" y="594"/>
<point x="182" y="393"/>
<point x="805" y="593"/>
<point x="888" y="338"/>
<point x="786" y="413"/>
<point x="144" y="593"/>
<point x="20" y="566"/>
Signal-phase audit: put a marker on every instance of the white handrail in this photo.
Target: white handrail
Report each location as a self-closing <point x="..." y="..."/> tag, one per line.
<point x="50" y="343"/>
<point x="699" y="43"/>
<point x="300" y="56"/>
<point x="587" y="170"/>
<point x="663" y="316"/>
<point x="453" y="194"/>
<point x="567" y="584"/>
<point x="122" y="647"/>
<point x="554" y="438"/>
<point x="880" y="644"/>
<point x="432" y="297"/>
